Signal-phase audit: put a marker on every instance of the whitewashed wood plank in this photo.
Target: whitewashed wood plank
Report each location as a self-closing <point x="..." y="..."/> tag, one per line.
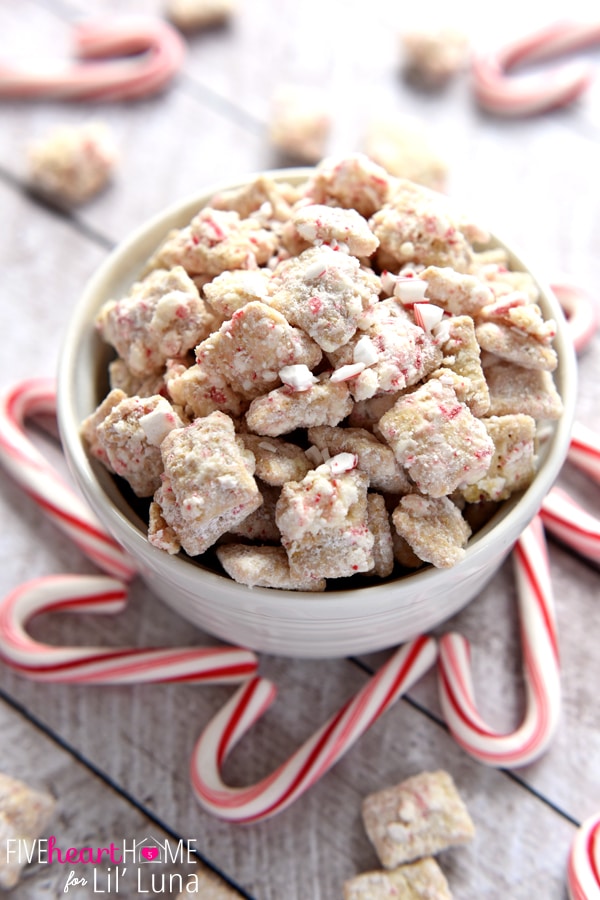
<point x="89" y="814"/>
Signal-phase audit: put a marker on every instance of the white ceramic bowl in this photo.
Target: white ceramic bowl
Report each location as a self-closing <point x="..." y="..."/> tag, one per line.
<point x="336" y="623"/>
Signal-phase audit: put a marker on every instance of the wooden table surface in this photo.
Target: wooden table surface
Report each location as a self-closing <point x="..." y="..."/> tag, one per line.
<point x="116" y="758"/>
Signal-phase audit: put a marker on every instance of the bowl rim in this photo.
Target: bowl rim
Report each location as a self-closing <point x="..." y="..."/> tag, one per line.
<point x="91" y="476"/>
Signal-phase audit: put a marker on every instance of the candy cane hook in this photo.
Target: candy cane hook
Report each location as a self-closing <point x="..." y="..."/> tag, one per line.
<point x="584" y="450"/>
<point x="564" y="517"/>
<point x="505" y="95"/>
<point x="99" y="665"/>
<point x="541" y="669"/>
<point x="583" y="870"/>
<point x="35" y="475"/>
<point x="315" y="757"/>
<point x="160" y="51"/>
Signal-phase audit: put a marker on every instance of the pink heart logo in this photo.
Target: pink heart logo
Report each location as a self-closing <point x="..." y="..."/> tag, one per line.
<point x="150" y="853"/>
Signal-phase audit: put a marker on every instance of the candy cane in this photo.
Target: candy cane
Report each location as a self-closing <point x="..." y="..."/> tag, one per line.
<point x="584" y="450"/>
<point x="533" y="94"/>
<point x="581" y="311"/>
<point x="541" y="669"/>
<point x="160" y="51"/>
<point x="315" y="757"/>
<point x="98" y="665"/>
<point x="36" y="476"/>
<point x="583" y="870"/>
<point x="571" y="524"/>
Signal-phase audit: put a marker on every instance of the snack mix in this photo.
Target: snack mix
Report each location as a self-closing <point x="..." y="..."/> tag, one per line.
<point x="408" y="824"/>
<point x="24" y="814"/>
<point x="324" y="379"/>
<point x="72" y="163"/>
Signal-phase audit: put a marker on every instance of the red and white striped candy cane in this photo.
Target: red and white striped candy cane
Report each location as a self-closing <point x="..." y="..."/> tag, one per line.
<point x="571" y="523"/>
<point x="159" y="50"/>
<point x="505" y="95"/>
<point x="315" y="757"/>
<point x="581" y="311"/>
<point x="29" y="469"/>
<point x="564" y="517"/>
<point x="583" y="869"/>
<point x="99" y="665"/>
<point x="541" y="669"/>
<point x="584" y="450"/>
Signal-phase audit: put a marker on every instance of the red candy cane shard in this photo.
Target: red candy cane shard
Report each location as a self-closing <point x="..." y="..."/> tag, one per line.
<point x="315" y="757"/>
<point x="531" y="94"/>
<point x="100" y="665"/>
<point x="583" y="869"/>
<point x="582" y="312"/>
<point x="571" y="524"/>
<point x="28" y="468"/>
<point x="119" y="75"/>
<point x="541" y="669"/>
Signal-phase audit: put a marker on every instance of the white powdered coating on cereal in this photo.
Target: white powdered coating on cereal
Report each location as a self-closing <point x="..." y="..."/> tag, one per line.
<point x="403" y="399"/>
<point x="365" y="351"/>
<point x="298" y="377"/>
<point x="344" y="373"/>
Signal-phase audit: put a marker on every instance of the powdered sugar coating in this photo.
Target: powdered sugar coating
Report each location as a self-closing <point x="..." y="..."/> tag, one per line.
<point x="513" y="464"/>
<point x="24" y="814"/>
<point x="229" y="291"/>
<point x="405" y="354"/>
<point x="433" y="527"/>
<point x="509" y="343"/>
<point x="252" y="198"/>
<point x="320" y="224"/>
<point x="162" y="316"/>
<point x="214" y="242"/>
<point x="200" y="390"/>
<point x="419" y="227"/>
<point x="264" y="566"/>
<point x="456" y="292"/>
<point x="404" y="149"/>
<point x="375" y="459"/>
<point x="462" y="358"/>
<point x="300" y="123"/>
<point x="421" y="816"/>
<point x="374" y="375"/>
<point x="324" y="524"/>
<point x="128" y="438"/>
<point x="441" y="444"/>
<point x="379" y="526"/>
<point x="208" y="484"/>
<point x="277" y="461"/>
<point x="432" y="56"/>
<point x="420" y="880"/>
<point x="325" y="292"/>
<point x="353" y="181"/>
<point x="250" y="348"/>
<point x="72" y="163"/>
<point x="282" y="411"/>
<point x="531" y="390"/>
